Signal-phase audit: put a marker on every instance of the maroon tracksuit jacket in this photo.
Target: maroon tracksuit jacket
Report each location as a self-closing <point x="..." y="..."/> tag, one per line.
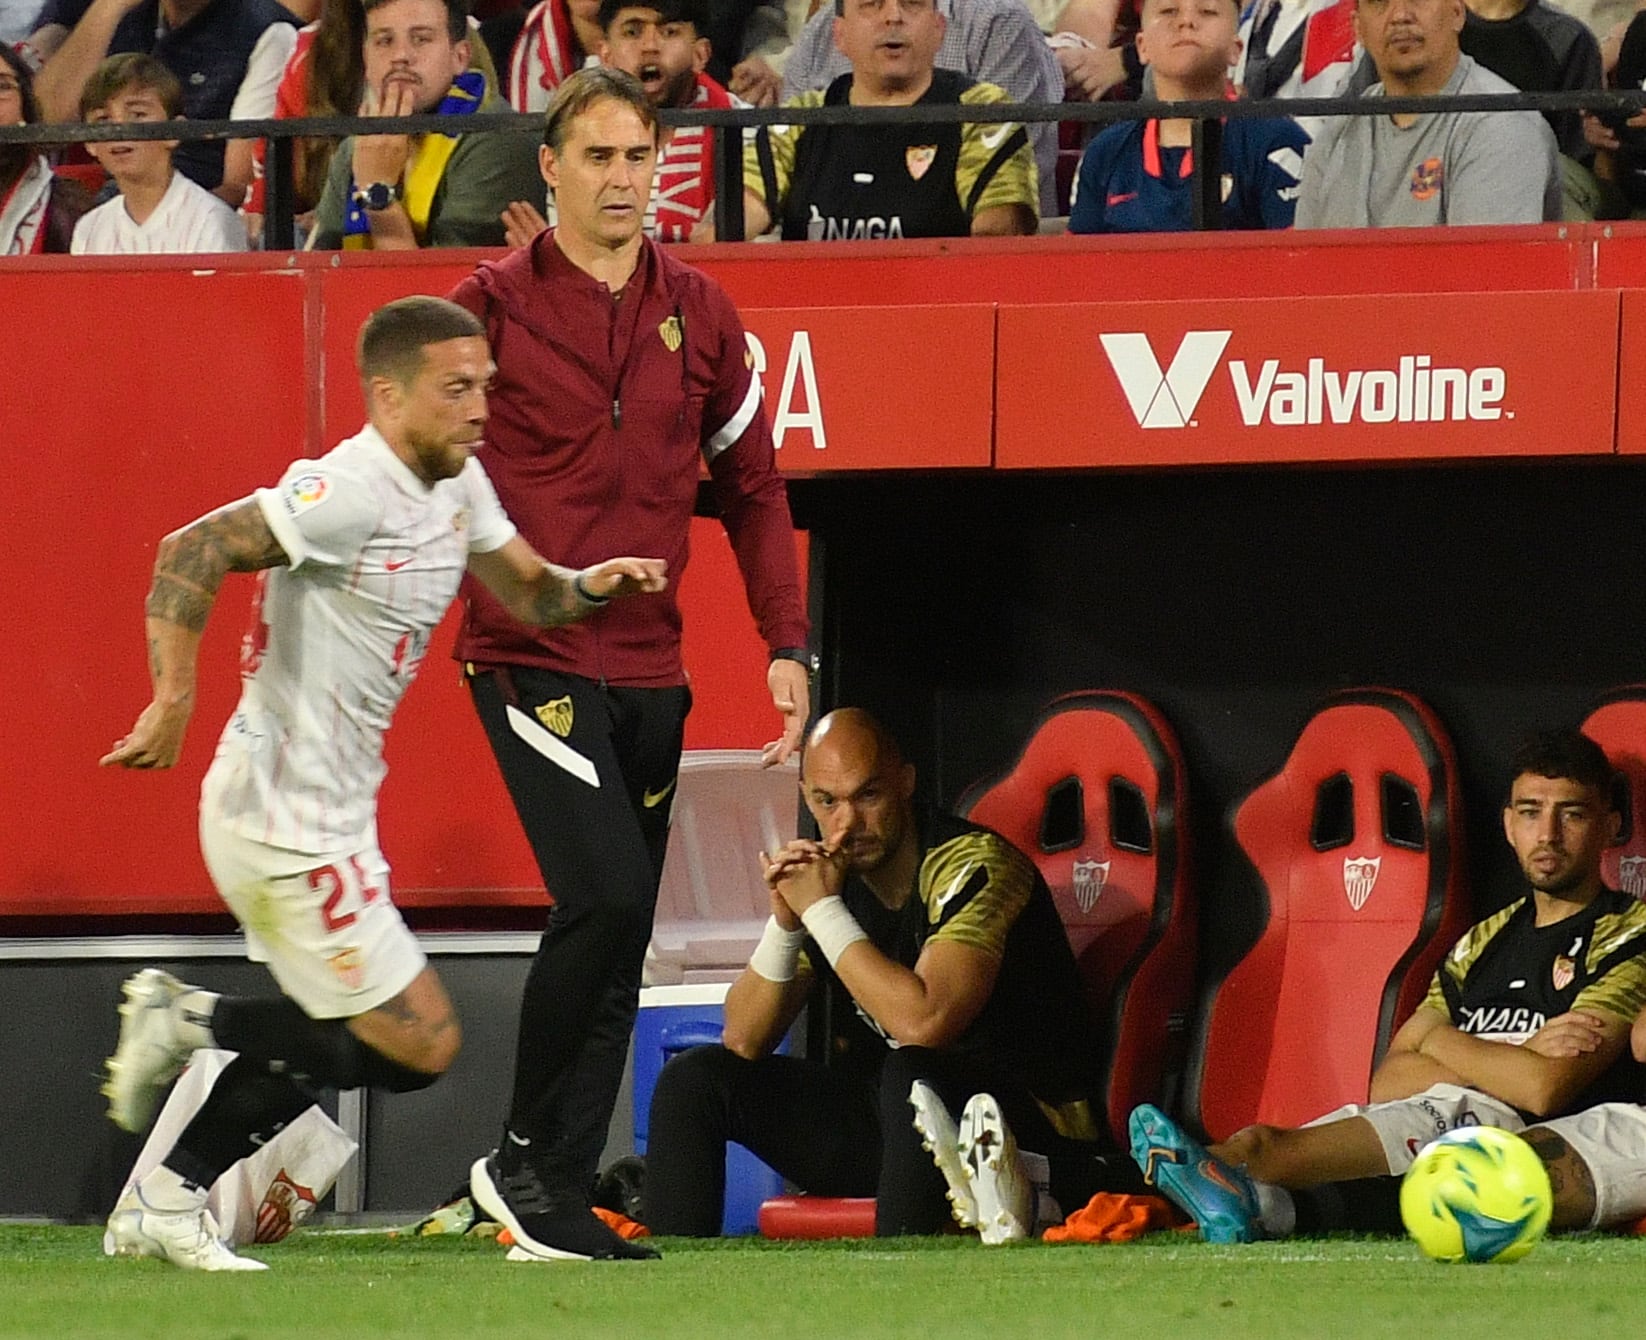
<point x="600" y="416"/>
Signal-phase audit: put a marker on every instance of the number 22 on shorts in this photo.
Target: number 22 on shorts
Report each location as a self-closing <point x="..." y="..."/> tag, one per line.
<point x="339" y="885"/>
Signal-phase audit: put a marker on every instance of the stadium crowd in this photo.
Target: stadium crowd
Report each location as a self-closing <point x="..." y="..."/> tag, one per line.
<point x="255" y="59"/>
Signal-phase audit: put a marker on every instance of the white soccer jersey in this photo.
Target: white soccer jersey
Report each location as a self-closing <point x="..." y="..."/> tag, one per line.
<point x="376" y="557"/>
<point x="188" y="218"/>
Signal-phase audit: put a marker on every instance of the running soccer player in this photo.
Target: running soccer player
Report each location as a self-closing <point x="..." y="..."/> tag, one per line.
<point x="358" y="555"/>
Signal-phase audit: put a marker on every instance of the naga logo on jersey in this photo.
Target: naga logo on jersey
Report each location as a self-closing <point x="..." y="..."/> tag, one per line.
<point x="1427" y="179"/>
<point x="673" y="333"/>
<point x="875" y="228"/>
<point x="1089" y="879"/>
<point x="1414" y="390"/>
<point x="1631" y="875"/>
<point x="285" y="1205"/>
<point x="1359" y="875"/>
<point x="1562" y="972"/>
<point x="557" y="715"/>
<point x="306" y="491"/>
<point x="1502" y="1023"/>
<point x="919" y="159"/>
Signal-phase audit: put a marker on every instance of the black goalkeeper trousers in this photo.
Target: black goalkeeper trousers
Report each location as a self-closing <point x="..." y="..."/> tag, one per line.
<point x="600" y="851"/>
<point x="832" y="1134"/>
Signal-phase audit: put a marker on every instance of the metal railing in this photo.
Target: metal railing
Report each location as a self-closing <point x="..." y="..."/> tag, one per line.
<point x="729" y="123"/>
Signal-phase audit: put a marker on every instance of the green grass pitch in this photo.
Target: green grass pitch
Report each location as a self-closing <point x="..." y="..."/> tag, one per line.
<point x="54" y="1283"/>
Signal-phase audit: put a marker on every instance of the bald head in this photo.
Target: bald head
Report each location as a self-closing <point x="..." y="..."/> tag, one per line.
<point x="851" y="734"/>
<point x="858" y="788"/>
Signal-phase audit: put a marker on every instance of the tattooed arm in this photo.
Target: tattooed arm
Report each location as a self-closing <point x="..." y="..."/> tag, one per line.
<point x="188" y="568"/>
<point x="545" y="594"/>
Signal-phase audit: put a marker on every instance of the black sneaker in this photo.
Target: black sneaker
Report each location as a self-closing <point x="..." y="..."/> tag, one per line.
<point x="546" y="1227"/>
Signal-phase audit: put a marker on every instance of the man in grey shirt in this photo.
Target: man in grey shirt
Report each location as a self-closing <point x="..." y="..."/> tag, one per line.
<point x="995" y="41"/>
<point x="1449" y="167"/>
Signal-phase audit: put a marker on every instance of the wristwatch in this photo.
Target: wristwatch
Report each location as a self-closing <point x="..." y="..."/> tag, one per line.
<point x="799" y="655"/>
<point x="376" y="197"/>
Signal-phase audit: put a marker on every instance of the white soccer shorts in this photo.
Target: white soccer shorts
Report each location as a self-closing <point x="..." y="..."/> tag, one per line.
<point x="1405" y="1125"/>
<point x="1611" y="1139"/>
<point x="329" y="932"/>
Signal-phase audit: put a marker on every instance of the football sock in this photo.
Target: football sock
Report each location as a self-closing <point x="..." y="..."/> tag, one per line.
<point x="1366" y="1205"/>
<point x="247" y="1107"/>
<point x="169" y="1191"/>
<point x="192" y="1015"/>
<point x="1276" y="1210"/>
<point x="275" y="1031"/>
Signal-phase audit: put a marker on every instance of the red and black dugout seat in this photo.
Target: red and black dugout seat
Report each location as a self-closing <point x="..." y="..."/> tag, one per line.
<point x="1096" y="798"/>
<point x="1356" y="844"/>
<point x="1617" y="724"/>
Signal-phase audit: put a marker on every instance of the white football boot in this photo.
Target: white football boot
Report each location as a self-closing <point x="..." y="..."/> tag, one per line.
<point x="186" y="1238"/>
<point x="150" y="1054"/>
<point x="940" y="1139"/>
<point x="1000" y="1185"/>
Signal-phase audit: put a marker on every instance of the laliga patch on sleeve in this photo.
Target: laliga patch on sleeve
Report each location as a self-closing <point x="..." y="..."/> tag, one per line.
<point x="305" y="491"/>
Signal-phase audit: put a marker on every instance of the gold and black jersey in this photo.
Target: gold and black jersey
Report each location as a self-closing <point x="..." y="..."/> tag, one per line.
<point x="976" y="889"/>
<point x="1507" y="976"/>
<point x="823" y="183"/>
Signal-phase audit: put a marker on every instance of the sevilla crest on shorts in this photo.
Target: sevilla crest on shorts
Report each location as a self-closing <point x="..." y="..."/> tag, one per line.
<point x="349" y="966"/>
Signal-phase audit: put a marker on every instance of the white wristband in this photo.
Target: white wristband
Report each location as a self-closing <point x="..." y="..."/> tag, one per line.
<point x="833" y="927"/>
<point x="774" y="958"/>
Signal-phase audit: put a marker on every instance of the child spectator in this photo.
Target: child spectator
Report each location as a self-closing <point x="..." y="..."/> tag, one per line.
<point x="1138" y="176"/>
<point x="227" y="54"/>
<point x="158" y="208"/>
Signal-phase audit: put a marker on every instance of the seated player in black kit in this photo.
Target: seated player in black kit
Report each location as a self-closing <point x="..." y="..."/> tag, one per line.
<point x="944" y="938"/>
<point x="1528" y="1018"/>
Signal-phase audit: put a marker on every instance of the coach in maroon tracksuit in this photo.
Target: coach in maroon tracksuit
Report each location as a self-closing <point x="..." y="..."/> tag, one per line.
<point x="619" y="369"/>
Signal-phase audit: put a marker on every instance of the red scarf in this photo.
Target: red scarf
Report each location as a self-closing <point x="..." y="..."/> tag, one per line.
<point x="23" y="211"/>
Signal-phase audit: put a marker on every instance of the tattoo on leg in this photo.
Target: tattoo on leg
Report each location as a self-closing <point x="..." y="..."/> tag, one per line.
<point x="1570" y="1177"/>
<point x="1546" y="1144"/>
<point x="401" y="1012"/>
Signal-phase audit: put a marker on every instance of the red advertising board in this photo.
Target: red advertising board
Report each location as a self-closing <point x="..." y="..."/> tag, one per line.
<point x="1307" y="379"/>
<point x="1631" y="374"/>
<point x="856" y="388"/>
<point x="847" y="388"/>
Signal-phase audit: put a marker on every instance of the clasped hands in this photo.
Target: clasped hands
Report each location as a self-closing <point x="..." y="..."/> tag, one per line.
<point x="799" y="874"/>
